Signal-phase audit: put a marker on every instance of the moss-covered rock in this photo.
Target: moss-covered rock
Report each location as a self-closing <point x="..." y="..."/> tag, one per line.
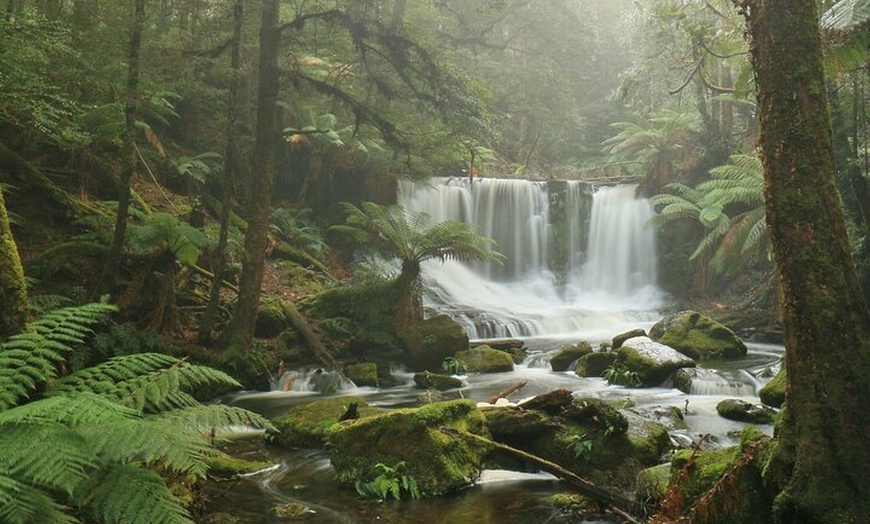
<point x="697" y="336"/>
<point x="271" y="320"/>
<point x="652" y="483"/>
<point x="562" y="360"/>
<point x="513" y="425"/>
<point x="362" y="374"/>
<point x="514" y="347"/>
<point x="484" y="359"/>
<point x="742" y="500"/>
<point x="593" y="364"/>
<point x="305" y="426"/>
<point x="773" y="393"/>
<point x="438" y="461"/>
<point x="622" y="337"/>
<point x="426" y="380"/>
<point x="743" y="411"/>
<point x="653" y="362"/>
<point x="223" y="466"/>
<point x="438" y="337"/>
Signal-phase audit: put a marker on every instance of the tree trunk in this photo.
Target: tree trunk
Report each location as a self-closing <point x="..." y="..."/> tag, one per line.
<point x="209" y="316"/>
<point x="398" y="18"/>
<point x="13" y="291"/>
<point x="822" y="437"/>
<point x="409" y="308"/>
<point x="128" y="152"/>
<point x="240" y="331"/>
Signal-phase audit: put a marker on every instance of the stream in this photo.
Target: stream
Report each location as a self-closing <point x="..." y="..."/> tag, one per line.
<point x="581" y="265"/>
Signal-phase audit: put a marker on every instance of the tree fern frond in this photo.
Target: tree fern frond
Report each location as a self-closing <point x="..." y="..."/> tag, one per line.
<point x="21" y="503"/>
<point x="205" y="418"/>
<point x="70" y="410"/>
<point x="132" y="495"/>
<point x="25" y="455"/>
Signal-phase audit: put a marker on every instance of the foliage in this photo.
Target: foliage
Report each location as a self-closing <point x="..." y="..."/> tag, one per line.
<point x="619" y="375"/>
<point x="91" y="473"/>
<point x="454" y="366"/>
<point x="735" y="188"/>
<point x="163" y="232"/>
<point x="297" y="228"/>
<point x="391" y="481"/>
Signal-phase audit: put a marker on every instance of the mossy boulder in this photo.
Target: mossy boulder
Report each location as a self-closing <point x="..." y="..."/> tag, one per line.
<point x="773" y="393"/>
<point x="427" y="380"/>
<point x="438" y="461"/>
<point x="305" y="426"/>
<point x="271" y="320"/>
<point x="622" y="337"/>
<point x="511" y="424"/>
<point x="437" y="338"/>
<point x="743" y="500"/>
<point x="743" y="411"/>
<point x="514" y="347"/>
<point x="484" y="359"/>
<point x="593" y="364"/>
<point x="697" y="336"/>
<point x="653" y="362"/>
<point x="223" y="466"/>
<point x="652" y="483"/>
<point x="362" y="374"/>
<point x="562" y="360"/>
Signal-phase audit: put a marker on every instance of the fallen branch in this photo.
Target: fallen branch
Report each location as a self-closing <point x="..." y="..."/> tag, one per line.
<point x="507" y="392"/>
<point x="300" y="324"/>
<point x="625" y="508"/>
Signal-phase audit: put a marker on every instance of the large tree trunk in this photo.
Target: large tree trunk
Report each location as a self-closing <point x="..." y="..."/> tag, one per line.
<point x="240" y="331"/>
<point x="209" y="316"/>
<point x="128" y="151"/>
<point x="13" y="291"/>
<point x="822" y="438"/>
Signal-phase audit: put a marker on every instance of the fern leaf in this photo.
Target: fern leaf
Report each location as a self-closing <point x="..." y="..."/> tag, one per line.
<point x="24" y="456"/>
<point x="21" y="503"/>
<point x="131" y="495"/>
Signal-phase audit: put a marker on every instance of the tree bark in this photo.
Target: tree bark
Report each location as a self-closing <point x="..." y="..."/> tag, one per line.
<point x="209" y="316"/>
<point x="13" y="291"/>
<point x="128" y="151"/>
<point x="240" y="331"/>
<point x="822" y="436"/>
<point x="309" y="336"/>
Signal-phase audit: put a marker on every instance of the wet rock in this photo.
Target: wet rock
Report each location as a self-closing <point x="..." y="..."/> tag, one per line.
<point x="743" y="411"/>
<point x="513" y="347"/>
<point x="426" y="380"/>
<point x="622" y="337"/>
<point x="512" y="425"/>
<point x="363" y="374"/>
<point x="595" y="412"/>
<point x="562" y="360"/>
<point x="439" y="461"/>
<point x="593" y="364"/>
<point x="484" y="359"/>
<point x="437" y="338"/>
<point x="652" y="483"/>
<point x="653" y="362"/>
<point x="552" y="402"/>
<point x="697" y="336"/>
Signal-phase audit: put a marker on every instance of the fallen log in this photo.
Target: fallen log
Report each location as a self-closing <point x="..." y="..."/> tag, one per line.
<point x="629" y="510"/>
<point x="301" y="325"/>
<point x="507" y="392"/>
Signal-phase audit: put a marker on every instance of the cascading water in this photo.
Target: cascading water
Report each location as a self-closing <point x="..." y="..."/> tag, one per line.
<point x="552" y="284"/>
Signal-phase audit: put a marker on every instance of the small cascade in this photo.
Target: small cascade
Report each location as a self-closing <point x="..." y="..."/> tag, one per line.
<point x="553" y="282"/>
<point x="712" y="382"/>
<point x="313" y="380"/>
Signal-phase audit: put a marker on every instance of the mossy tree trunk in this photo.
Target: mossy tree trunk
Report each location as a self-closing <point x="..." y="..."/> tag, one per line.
<point x="128" y="151"/>
<point x="240" y="331"/>
<point x="409" y="308"/>
<point x="210" y="315"/>
<point x="13" y="291"/>
<point x="823" y="435"/>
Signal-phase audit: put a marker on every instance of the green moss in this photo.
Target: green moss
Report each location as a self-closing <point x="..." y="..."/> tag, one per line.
<point x="698" y="336"/>
<point x="773" y="393"/>
<point x="484" y="359"/>
<point x="438" y="461"/>
<point x="562" y="360"/>
<point x="594" y="364"/>
<point x="271" y="320"/>
<point x="305" y="426"/>
<point x="363" y="374"/>
<point x="426" y="380"/>
<point x="652" y="483"/>
<point x="436" y="339"/>
<point x="224" y="466"/>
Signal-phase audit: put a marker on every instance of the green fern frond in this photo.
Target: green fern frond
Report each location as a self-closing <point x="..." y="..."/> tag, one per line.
<point x="205" y="418"/>
<point x="45" y="455"/>
<point x="132" y="495"/>
<point x="21" y="503"/>
<point x="70" y="410"/>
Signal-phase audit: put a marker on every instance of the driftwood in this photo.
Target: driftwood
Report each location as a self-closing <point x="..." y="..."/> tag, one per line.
<point x="507" y="392"/>
<point x="300" y="324"/>
<point x="629" y="510"/>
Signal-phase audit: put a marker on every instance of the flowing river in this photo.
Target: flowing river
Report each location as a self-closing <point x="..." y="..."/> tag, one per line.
<point x="580" y="266"/>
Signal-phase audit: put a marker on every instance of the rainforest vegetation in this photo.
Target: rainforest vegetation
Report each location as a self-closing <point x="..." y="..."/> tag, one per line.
<point x="192" y="193"/>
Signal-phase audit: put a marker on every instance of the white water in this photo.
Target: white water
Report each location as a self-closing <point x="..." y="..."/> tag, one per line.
<point x="607" y="288"/>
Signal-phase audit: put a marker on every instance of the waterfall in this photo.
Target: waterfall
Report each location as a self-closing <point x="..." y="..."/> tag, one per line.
<point x="554" y="283"/>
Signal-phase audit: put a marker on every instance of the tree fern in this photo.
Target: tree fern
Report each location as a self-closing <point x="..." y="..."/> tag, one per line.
<point x="91" y="444"/>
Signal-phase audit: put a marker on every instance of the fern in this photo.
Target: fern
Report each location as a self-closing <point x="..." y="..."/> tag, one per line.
<point x="91" y="443"/>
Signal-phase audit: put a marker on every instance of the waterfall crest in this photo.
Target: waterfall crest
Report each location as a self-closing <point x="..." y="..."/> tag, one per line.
<point x="569" y="273"/>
